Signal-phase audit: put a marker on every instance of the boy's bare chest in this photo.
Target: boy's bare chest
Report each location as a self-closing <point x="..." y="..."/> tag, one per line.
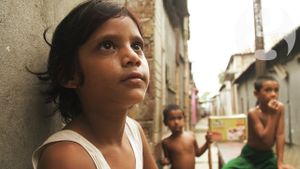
<point x="181" y="145"/>
<point x="263" y="118"/>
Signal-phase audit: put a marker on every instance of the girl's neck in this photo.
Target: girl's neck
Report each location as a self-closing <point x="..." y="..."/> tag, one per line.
<point x="102" y="127"/>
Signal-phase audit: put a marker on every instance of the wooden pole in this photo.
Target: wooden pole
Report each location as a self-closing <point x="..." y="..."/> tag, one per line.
<point x="209" y="157"/>
<point x="260" y="63"/>
<point x="209" y="148"/>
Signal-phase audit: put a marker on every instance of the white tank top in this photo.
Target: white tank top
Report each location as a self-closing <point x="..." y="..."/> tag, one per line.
<point x="131" y="130"/>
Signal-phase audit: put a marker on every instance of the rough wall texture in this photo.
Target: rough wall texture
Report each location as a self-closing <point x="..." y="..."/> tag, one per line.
<point x="23" y="125"/>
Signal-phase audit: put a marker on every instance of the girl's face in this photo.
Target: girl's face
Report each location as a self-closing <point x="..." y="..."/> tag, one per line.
<point x="114" y="66"/>
<point x="175" y="121"/>
<point x="268" y="91"/>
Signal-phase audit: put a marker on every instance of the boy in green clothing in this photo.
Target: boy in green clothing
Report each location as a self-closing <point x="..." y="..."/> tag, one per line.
<point x="266" y="128"/>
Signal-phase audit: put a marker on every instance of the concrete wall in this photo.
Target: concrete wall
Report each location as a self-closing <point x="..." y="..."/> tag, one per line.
<point x="226" y="99"/>
<point x="23" y="124"/>
<point x="246" y="98"/>
<point x="293" y="68"/>
<point x="243" y="97"/>
<point x="163" y="35"/>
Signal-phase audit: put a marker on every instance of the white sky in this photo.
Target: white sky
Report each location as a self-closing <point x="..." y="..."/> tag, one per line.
<point x="221" y="28"/>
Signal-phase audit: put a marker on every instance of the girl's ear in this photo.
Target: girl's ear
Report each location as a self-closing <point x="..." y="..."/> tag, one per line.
<point x="72" y="83"/>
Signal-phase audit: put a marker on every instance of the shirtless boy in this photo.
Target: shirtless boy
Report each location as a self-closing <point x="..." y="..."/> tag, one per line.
<point x="266" y="129"/>
<point x="181" y="147"/>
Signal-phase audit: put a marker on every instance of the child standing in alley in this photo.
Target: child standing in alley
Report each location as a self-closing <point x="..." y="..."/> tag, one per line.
<point x="96" y="71"/>
<point x="266" y="128"/>
<point x="180" y="148"/>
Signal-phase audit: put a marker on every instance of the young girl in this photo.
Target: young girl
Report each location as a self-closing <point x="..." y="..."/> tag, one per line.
<point x="96" y="71"/>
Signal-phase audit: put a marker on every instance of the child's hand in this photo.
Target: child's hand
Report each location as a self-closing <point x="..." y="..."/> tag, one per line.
<point x="274" y="105"/>
<point x="208" y="137"/>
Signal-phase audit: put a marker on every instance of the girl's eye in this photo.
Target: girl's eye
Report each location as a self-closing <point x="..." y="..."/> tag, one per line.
<point x="106" y="45"/>
<point x="137" y="46"/>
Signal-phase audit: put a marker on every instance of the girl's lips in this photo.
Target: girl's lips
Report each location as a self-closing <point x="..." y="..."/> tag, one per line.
<point x="133" y="76"/>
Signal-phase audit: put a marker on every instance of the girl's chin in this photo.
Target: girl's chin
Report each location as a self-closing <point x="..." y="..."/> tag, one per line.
<point x="137" y="97"/>
<point x="134" y="101"/>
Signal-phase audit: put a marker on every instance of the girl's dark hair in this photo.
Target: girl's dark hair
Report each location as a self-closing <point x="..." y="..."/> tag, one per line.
<point x="261" y="79"/>
<point x="168" y="109"/>
<point x="63" y="63"/>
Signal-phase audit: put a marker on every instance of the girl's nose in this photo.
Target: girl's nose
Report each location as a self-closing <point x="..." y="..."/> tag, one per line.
<point x="130" y="57"/>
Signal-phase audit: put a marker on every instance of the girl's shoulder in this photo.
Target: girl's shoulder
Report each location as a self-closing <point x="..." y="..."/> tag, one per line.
<point x="65" y="153"/>
<point x="59" y="153"/>
<point x="65" y="148"/>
